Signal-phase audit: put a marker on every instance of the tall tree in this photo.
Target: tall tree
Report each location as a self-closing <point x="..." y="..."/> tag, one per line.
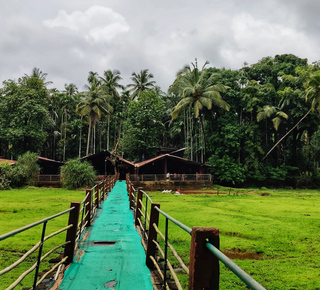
<point x="110" y="83"/>
<point x="141" y="82"/>
<point x="198" y="89"/>
<point x="37" y="73"/>
<point x="94" y="105"/>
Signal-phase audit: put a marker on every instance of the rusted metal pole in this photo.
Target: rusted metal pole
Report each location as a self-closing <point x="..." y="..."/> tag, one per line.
<point x="88" y="206"/>
<point x="138" y="206"/>
<point x="152" y="235"/>
<point x="204" y="266"/>
<point x="72" y="232"/>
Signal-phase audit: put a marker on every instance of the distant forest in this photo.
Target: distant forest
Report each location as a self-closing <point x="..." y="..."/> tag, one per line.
<point x="256" y="126"/>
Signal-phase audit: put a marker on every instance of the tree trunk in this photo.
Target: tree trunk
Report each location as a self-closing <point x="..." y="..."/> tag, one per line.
<point x="80" y="138"/>
<point x="108" y="133"/>
<point x="204" y="138"/>
<point x="285" y="135"/>
<point x="89" y="135"/>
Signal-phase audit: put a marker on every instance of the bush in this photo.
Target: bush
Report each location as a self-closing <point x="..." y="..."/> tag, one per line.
<point x="76" y="174"/>
<point x="226" y="170"/>
<point x="27" y="168"/>
<point x="5" y="175"/>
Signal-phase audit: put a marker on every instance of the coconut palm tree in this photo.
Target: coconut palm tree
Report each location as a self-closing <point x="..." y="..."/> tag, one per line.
<point x="268" y="111"/>
<point x="197" y="89"/>
<point x="94" y="105"/>
<point x="141" y="82"/>
<point x="110" y="83"/>
<point x="312" y="94"/>
<point x="37" y="73"/>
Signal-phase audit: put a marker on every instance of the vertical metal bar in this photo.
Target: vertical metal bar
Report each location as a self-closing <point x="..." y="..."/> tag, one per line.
<point x="39" y="255"/>
<point x="165" y="256"/>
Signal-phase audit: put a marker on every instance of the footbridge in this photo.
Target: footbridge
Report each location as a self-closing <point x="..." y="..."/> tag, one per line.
<point x="102" y="248"/>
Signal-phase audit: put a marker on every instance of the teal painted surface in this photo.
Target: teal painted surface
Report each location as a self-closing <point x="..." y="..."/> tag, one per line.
<point x="118" y="266"/>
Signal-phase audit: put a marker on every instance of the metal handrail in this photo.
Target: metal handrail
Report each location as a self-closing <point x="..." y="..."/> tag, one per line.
<point x="244" y="277"/>
<point x="17" y="231"/>
<point x="176" y="222"/>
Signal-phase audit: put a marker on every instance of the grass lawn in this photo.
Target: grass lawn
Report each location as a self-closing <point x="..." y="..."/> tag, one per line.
<point x="274" y="235"/>
<point x="20" y="207"/>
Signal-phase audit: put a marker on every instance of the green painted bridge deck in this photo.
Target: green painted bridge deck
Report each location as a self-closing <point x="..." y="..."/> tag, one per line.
<point x="111" y="257"/>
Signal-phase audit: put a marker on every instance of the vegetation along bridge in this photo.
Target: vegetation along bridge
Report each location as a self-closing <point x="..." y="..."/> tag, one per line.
<point x="103" y="249"/>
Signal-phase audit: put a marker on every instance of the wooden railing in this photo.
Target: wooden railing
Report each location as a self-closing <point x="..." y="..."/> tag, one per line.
<point x="80" y="217"/>
<point x="203" y="271"/>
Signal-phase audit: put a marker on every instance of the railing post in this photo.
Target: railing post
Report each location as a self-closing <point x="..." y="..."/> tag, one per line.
<point x="88" y="206"/>
<point x="97" y="195"/>
<point x="130" y="197"/>
<point x="204" y="266"/>
<point x="138" y="206"/>
<point x="152" y="235"/>
<point x="72" y="232"/>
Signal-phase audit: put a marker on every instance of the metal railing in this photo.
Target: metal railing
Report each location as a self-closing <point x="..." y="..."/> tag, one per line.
<point x="39" y="246"/>
<point x="147" y="220"/>
<point x="80" y="217"/>
<point x="48" y="178"/>
<point x="171" y="177"/>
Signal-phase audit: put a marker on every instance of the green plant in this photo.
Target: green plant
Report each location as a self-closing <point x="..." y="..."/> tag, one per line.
<point x="27" y="166"/>
<point x="77" y="174"/>
<point x="5" y="174"/>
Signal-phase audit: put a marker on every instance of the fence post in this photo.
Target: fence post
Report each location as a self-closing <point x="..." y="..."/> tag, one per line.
<point x="97" y="195"/>
<point x="152" y="235"/>
<point x="72" y="232"/>
<point x="88" y="206"/>
<point x="138" y="206"/>
<point x="204" y="266"/>
<point x="131" y="205"/>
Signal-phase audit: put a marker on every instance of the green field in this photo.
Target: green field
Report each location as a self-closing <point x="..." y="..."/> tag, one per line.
<point x="274" y="235"/>
<point x="20" y="207"/>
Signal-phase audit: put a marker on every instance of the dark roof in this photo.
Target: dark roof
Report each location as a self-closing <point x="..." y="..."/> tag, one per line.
<point x="50" y="160"/>
<point x="140" y="164"/>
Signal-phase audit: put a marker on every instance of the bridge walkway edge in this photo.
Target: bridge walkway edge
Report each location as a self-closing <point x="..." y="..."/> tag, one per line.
<point x="111" y="255"/>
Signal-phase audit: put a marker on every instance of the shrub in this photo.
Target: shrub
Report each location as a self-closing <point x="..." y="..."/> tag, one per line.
<point x="76" y="174"/>
<point x="5" y="175"/>
<point x="27" y="166"/>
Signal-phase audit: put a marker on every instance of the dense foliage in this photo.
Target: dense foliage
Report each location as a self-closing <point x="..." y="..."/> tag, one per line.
<point x="256" y="125"/>
<point x="77" y="174"/>
<point x="24" y="172"/>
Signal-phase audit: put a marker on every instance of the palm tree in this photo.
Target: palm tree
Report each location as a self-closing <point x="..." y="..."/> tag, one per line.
<point x="95" y="104"/>
<point x="70" y="89"/>
<point x="312" y="94"/>
<point x="37" y="73"/>
<point x="197" y="89"/>
<point x="268" y="111"/>
<point x="141" y="82"/>
<point x="110" y="83"/>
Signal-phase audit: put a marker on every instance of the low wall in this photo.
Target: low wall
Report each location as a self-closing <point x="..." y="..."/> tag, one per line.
<point x="171" y="185"/>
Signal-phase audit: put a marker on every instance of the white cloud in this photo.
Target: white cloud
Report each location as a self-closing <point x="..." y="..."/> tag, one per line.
<point x="98" y="24"/>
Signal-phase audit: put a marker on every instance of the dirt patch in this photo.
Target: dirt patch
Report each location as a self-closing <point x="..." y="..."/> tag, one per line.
<point x="200" y="192"/>
<point x="243" y="254"/>
<point x="264" y="194"/>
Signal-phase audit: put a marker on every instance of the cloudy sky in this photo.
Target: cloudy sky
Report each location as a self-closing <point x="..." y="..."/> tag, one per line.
<point x="69" y="38"/>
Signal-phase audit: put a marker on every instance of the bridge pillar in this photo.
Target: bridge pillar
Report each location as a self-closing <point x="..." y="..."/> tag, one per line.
<point x="152" y="235"/>
<point x="204" y="266"/>
<point x="138" y="206"/>
<point x="88" y="206"/>
<point x="72" y="232"/>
